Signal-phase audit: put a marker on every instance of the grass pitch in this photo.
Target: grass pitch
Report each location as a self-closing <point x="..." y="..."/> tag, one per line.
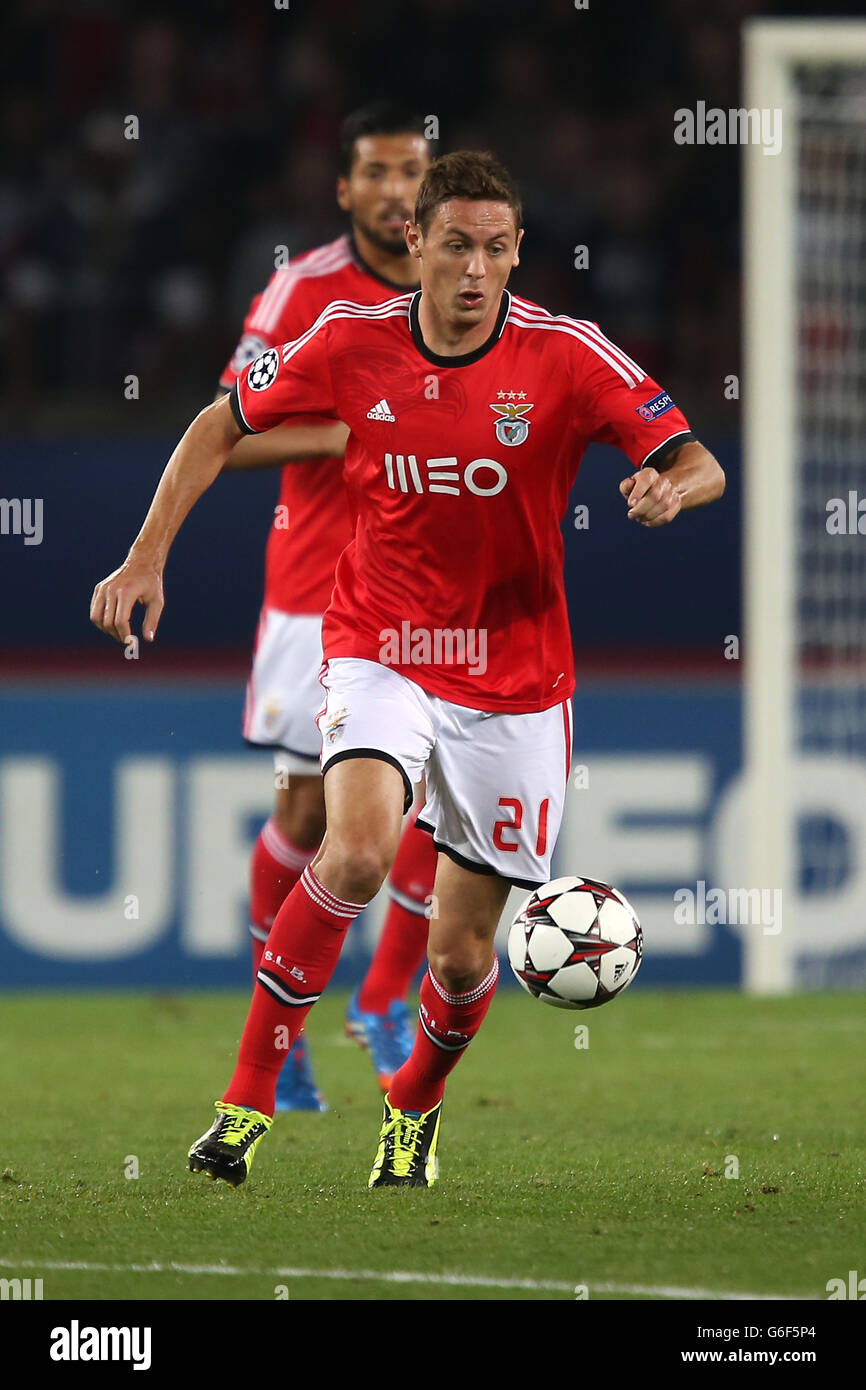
<point x="601" y="1166"/>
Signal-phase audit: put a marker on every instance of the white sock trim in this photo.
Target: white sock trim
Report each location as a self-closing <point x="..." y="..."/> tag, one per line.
<point x="472" y="995"/>
<point x="323" y="897"/>
<point x="279" y="847"/>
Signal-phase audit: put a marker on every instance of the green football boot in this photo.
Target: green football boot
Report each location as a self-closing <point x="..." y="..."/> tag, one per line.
<point x="406" y="1156"/>
<point x="227" y="1149"/>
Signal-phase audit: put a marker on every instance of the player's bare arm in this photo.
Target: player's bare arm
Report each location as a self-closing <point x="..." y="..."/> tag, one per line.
<point x="195" y="463"/>
<point x="287" y="444"/>
<point x="688" y="477"/>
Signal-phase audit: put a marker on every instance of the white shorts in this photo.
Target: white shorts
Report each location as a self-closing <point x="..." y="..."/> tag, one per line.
<point x="496" y="783"/>
<point x="283" y="692"/>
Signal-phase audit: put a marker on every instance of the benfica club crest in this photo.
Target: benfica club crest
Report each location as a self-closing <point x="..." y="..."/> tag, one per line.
<point x="512" y="427"/>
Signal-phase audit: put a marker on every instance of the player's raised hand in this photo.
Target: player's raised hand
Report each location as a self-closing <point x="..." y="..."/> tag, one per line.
<point x="136" y="581"/>
<point x="652" y="498"/>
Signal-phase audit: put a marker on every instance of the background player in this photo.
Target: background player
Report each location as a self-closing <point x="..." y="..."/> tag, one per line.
<point x="440" y="481"/>
<point x="383" y="155"/>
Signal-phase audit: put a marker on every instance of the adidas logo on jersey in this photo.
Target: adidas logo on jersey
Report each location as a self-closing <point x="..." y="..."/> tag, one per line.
<point x="381" y="411"/>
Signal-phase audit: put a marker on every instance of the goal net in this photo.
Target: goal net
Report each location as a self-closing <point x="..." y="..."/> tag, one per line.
<point x="805" y="510"/>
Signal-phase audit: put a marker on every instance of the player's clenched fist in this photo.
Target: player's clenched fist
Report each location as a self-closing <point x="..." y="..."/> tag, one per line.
<point x="653" y="500"/>
<point x="137" y="581"/>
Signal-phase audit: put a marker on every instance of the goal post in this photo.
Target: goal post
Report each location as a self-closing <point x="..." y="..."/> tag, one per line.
<point x="804" y="440"/>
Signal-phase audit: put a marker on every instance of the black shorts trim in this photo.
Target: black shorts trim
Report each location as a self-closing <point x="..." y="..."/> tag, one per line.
<point x="471" y="864"/>
<point x="409" y="795"/>
<point x="282" y="748"/>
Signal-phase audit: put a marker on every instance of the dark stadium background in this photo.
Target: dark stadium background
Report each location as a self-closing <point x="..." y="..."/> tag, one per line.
<point x="122" y="256"/>
<point x="138" y="257"/>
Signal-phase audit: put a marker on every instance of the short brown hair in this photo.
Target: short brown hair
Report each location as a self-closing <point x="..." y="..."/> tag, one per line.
<point x="473" y="174"/>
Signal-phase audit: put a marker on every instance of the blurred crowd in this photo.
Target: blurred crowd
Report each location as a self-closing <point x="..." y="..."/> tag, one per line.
<point x="139" y="255"/>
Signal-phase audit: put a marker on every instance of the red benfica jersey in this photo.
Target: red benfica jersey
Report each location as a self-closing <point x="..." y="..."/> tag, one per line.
<point x="312" y="524"/>
<point x="460" y="470"/>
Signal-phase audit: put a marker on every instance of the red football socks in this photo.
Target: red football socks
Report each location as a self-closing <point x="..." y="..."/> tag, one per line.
<point x="403" y="943"/>
<point x="276" y="866"/>
<point x="298" y="960"/>
<point x="448" y="1023"/>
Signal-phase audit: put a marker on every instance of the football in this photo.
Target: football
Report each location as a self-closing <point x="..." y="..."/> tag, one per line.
<point x="575" y="943"/>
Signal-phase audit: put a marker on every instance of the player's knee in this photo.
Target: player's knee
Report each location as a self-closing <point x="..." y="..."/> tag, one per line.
<point x="302" y="827"/>
<point x="461" y="967"/>
<point x="354" y="872"/>
<point x="300" y="814"/>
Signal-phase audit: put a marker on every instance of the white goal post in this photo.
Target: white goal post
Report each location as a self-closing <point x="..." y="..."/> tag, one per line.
<point x="804" y="441"/>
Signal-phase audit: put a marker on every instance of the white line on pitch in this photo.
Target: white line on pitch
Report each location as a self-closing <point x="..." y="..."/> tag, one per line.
<point x="397" y="1276"/>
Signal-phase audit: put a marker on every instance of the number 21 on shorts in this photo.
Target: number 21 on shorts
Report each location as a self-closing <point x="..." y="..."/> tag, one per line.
<point x="513" y="804"/>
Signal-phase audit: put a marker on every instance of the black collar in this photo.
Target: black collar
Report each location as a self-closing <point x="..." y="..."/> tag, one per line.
<point x="467" y="358"/>
<point x="368" y="269"/>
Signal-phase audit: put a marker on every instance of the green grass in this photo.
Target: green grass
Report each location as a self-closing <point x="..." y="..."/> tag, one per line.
<point x="602" y="1166"/>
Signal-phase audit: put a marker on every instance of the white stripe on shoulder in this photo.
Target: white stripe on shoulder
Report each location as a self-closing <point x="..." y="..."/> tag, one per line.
<point x="279" y="282"/>
<point x="283" y="282"/>
<point x="631" y="375"/>
<point x="587" y="326"/>
<point x="529" y="308"/>
<point x="322" y="260"/>
<point x="325" y="261"/>
<point x="347" y="309"/>
<point x="595" y="332"/>
<point x="318" y="254"/>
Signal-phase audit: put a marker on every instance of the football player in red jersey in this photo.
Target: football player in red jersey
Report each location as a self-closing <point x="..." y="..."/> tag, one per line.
<point x="383" y="154"/>
<point x="469" y="411"/>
